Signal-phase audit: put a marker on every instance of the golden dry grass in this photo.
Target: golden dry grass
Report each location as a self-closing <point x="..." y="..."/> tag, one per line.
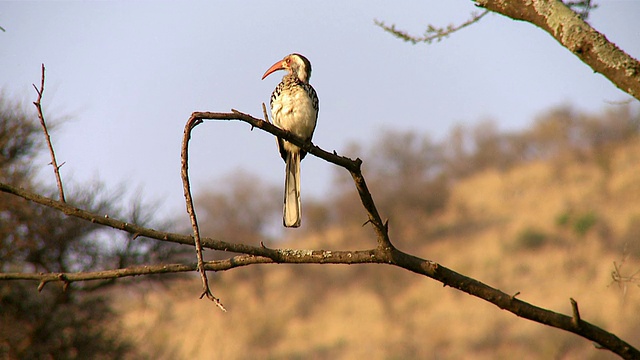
<point x="379" y="312"/>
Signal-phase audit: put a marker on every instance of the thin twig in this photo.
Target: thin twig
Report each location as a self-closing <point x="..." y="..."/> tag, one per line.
<point x="140" y="270"/>
<point x="206" y="291"/>
<point x="54" y="163"/>
<point x="432" y="33"/>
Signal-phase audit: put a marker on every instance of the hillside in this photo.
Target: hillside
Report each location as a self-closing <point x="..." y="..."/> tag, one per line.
<point x="549" y="230"/>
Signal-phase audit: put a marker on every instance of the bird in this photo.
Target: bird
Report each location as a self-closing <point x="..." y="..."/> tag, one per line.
<point x="294" y="108"/>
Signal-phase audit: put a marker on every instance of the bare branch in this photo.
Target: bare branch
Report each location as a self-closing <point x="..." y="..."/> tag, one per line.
<point x="206" y="291"/>
<point x="384" y="253"/>
<point x="572" y="32"/>
<point x="353" y="166"/>
<point x="432" y="33"/>
<point x="378" y="255"/>
<point x="217" y="265"/>
<point x="54" y="163"/>
<point x="564" y="24"/>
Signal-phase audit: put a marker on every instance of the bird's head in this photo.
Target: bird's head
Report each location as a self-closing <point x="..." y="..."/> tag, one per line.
<point x="295" y="64"/>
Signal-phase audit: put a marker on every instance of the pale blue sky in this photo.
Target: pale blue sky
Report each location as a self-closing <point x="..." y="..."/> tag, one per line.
<point x="130" y="73"/>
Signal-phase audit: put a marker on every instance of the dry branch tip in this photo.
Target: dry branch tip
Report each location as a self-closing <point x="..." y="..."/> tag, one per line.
<point x="215" y="300"/>
<point x="54" y="163"/>
<point x="575" y="319"/>
<point x="184" y="172"/>
<point x="264" y="112"/>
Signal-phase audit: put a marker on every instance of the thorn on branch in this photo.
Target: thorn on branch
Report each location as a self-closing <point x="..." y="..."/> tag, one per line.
<point x="65" y="280"/>
<point x="575" y="319"/>
<point x="514" y="295"/>
<point x="38" y="105"/>
<point x="264" y="112"/>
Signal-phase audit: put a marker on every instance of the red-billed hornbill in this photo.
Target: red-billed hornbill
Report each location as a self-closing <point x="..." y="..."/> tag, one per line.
<point x="294" y="107"/>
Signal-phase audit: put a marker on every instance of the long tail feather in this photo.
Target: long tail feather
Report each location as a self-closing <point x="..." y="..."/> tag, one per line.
<point x="292" y="213"/>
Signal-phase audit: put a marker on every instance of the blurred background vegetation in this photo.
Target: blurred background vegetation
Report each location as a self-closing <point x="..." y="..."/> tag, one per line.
<point x="551" y="211"/>
<point x="56" y="324"/>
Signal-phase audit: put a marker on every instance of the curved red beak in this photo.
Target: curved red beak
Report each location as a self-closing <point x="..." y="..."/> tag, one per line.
<point x="275" y="67"/>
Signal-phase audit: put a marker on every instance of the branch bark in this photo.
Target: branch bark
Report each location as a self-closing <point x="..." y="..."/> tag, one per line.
<point x="572" y="32"/>
<point x="384" y="253"/>
<point x="67" y="278"/>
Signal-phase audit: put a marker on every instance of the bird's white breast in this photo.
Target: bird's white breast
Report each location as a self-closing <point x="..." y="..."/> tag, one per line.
<point x="294" y="111"/>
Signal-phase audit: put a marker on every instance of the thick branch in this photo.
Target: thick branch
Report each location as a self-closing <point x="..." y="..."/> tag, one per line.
<point x="277" y="255"/>
<point x="518" y="307"/>
<point x="566" y="26"/>
<point x="384" y="253"/>
<point x="379" y="255"/>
